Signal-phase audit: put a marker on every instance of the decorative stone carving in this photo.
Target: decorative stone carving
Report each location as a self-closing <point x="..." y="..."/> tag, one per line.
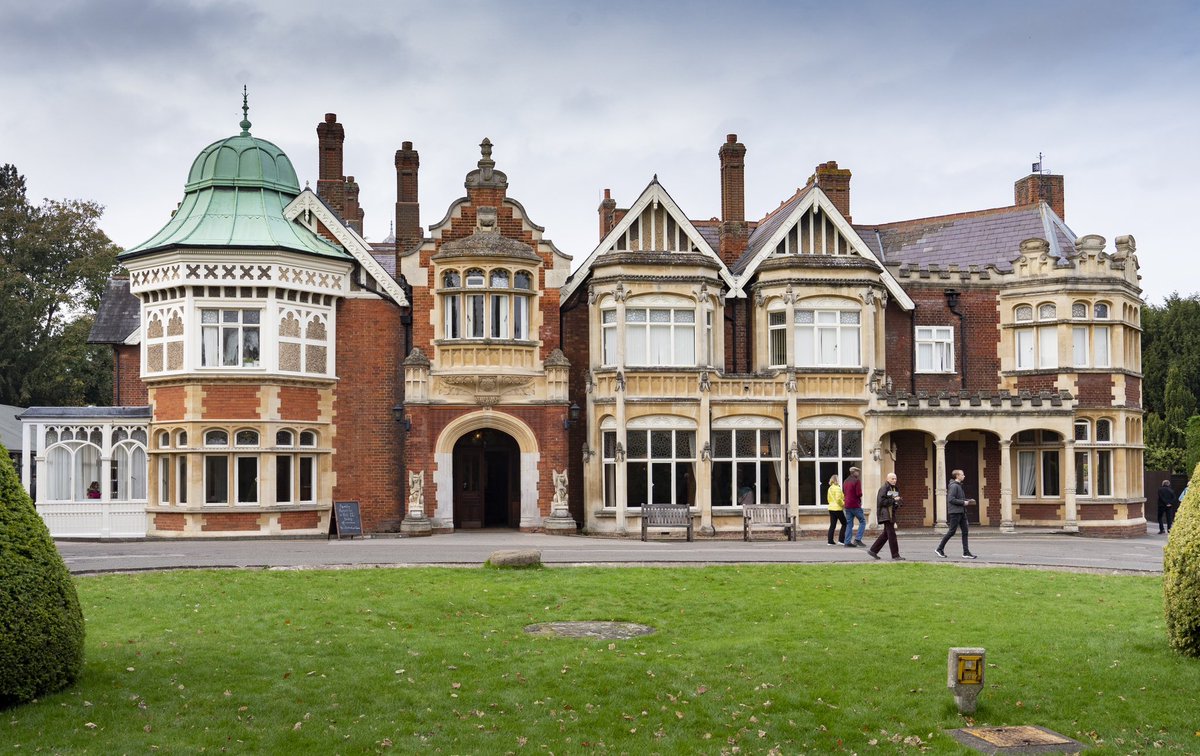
<point x="620" y="453"/>
<point x="591" y="297"/>
<point x="789" y="384"/>
<point x="705" y="385"/>
<point x="486" y="389"/>
<point x="588" y="383"/>
<point x="560" y="520"/>
<point x="415" y="522"/>
<point x="620" y="293"/>
<point x="620" y="380"/>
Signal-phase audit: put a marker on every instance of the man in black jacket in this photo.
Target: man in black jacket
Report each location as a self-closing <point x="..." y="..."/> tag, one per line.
<point x="956" y="510"/>
<point x="1166" y="506"/>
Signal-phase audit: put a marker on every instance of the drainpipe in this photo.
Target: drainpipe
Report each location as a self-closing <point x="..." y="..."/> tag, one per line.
<point x="912" y="366"/>
<point x="952" y="303"/>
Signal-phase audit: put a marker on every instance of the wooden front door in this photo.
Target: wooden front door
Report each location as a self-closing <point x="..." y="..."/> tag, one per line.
<point x="469" y="481"/>
<point x="964" y="455"/>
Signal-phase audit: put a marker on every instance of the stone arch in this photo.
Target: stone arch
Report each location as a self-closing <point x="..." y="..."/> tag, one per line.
<point x="481" y="419"/>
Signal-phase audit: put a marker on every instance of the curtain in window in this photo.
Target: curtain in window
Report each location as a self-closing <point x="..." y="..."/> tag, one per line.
<point x="1025" y="349"/>
<point x="1079" y="346"/>
<point x="1048" y="347"/>
<point x="775" y="447"/>
<point x="1101" y="339"/>
<point x="521" y="317"/>
<point x="1027" y="473"/>
<point x="120" y="474"/>
<point x="1082" y="474"/>
<point x="500" y="316"/>
<point x="137" y="474"/>
<point x="87" y="469"/>
<point x="58" y="468"/>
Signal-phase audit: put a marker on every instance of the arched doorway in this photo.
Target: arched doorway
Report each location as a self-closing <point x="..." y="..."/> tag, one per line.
<point x="487" y="483"/>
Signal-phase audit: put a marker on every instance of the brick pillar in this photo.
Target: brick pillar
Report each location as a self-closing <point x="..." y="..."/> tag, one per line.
<point x="331" y="184"/>
<point x="408" y="209"/>
<point x="608" y="213"/>
<point x="835" y="182"/>
<point x="1045" y="187"/>
<point x="734" y="231"/>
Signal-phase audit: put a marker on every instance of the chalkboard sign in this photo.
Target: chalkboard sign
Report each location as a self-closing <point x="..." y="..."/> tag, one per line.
<point x="347" y="521"/>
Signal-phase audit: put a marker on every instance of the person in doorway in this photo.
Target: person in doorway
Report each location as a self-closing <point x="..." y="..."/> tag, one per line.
<point x="956" y="511"/>
<point x="887" y="501"/>
<point x="93" y="491"/>
<point x="836" y="501"/>
<point x="853" y="509"/>
<point x="1166" y="507"/>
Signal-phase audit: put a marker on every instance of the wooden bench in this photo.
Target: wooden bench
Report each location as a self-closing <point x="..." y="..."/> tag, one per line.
<point x="659" y="516"/>
<point x="762" y="516"/>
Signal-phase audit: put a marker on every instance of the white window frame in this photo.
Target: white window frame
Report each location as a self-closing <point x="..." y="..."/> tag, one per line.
<point x="608" y="336"/>
<point x="1041" y="450"/>
<point x="651" y="341"/>
<point x="220" y="328"/>
<point x="935" y="349"/>
<point x="210" y="467"/>
<point x="777" y="337"/>
<point x="817" y="330"/>
<point x="238" y="460"/>
<point x="651" y="462"/>
<point x="811" y="457"/>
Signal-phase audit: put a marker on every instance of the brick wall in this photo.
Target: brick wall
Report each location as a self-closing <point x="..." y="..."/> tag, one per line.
<point x="128" y="388"/>
<point x="169" y="521"/>
<point x="912" y="478"/>
<point x="1095" y="390"/>
<point x="230" y="402"/>
<point x="230" y="521"/>
<point x="1133" y="392"/>
<point x="1038" y="382"/>
<point x="299" y="520"/>
<point x="991" y="482"/>
<point x="577" y="349"/>
<point x="169" y="403"/>
<point x="980" y="320"/>
<point x="299" y="403"/>
<point x="367" y="441"/>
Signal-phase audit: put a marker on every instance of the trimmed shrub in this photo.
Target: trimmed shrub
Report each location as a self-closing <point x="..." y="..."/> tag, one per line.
<point x="41" y="624"/>
<point x="1181" y="576"/>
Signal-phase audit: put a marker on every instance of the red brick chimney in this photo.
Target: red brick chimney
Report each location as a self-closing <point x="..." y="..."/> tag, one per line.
<point x="835" y="182"/>
<point x="354" y="214"/>
<point x="408" y="209"/>
<point x="734" y="231"/>
<point x="1035" y="187"/>
<point x="331" y="183"/>
<point x="608" y="213"/>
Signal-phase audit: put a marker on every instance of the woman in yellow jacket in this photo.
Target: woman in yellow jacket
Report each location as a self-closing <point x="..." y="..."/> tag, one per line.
<point x="837" y="505"/>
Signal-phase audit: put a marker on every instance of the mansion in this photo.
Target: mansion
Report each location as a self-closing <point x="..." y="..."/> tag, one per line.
<point x="270" y="361"/>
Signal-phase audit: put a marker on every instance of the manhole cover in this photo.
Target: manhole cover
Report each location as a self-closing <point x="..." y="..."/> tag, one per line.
<point x="1016" y="739"/>
<point x="1017" y="736"/>
<point x="605" y="630"/>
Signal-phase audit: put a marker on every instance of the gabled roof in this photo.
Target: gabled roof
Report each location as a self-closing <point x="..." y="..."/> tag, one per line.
<point x="353" y="244"/>
<point x="118" y="316"/>
<point x="981" y="238"/>
<point x="653" y="193"/>
<point x="775" y="227"/>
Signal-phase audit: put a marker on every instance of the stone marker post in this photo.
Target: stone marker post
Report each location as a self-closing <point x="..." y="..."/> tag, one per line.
<point x="964" y="675"/>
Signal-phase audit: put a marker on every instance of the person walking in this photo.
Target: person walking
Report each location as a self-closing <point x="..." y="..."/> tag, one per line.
<point x="956" y="511"/>
<point x="836" y="501"/>
<point x="1166" y="507"/>
<point x="886" y="502"/>
<point x="853" y="509"/>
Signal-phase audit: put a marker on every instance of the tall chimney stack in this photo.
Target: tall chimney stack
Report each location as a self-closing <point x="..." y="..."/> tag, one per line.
<point x="408" y="209"/>
<point x="608" y="213"/>
<point x="835" y="182"/>
<point x="1035" y="187"/>
<point x="354" y="214"/>
<point x="734" y="231"/>
<point x="331" y="183"/>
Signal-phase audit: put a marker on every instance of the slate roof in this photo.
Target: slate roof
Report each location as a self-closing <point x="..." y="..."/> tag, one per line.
<point x="86" y="413"/>
<point x="118" y="315"/>
<point x="10" y="427"/>
<point x="768" y="226"/>
<point x="982" y="238"/>
<point x="384" y="253"/>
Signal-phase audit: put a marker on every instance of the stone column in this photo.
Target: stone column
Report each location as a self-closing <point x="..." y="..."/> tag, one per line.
<point x="622" y="440"/>
<point x="791" y="444"/>
<point x="704" y="466"/>
<point x="939" y="486"/>
<point x="1071" y="525"/>
<point x="1006" y="504"/>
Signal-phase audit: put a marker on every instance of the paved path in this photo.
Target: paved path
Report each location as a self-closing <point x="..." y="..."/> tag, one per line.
<point x="1037" y="550"/>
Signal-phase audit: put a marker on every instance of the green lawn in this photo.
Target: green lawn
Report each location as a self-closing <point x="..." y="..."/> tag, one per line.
<point x="800" y="659"/>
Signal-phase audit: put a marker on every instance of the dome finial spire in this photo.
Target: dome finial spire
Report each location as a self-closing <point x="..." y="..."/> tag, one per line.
<point x="245" y="124"/>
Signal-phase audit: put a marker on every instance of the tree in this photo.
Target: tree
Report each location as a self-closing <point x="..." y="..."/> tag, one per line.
<point x="41" y="623"/>
<point x="1170" y="337"/>
<point x="1179" y="403"/>
<point x="54" y="264"/>
<point x="1181" y="576"/>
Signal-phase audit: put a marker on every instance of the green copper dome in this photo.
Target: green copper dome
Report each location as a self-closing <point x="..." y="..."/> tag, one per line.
<point x="234" y="198"/>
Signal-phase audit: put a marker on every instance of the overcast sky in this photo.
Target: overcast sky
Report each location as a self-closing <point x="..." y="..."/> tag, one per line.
<point x="935" y="107"/>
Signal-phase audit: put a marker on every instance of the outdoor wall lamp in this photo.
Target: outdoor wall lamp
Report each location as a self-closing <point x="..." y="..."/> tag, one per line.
<point x="398" y="414"/>
<point x="572" y="416"/>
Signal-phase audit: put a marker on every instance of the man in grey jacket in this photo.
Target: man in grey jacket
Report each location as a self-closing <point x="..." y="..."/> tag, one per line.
<point x="956" y="510"/>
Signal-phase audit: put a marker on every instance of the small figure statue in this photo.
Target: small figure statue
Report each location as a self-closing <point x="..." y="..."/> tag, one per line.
<point x="560" y="491"/>
<point x="416" y="493"/>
